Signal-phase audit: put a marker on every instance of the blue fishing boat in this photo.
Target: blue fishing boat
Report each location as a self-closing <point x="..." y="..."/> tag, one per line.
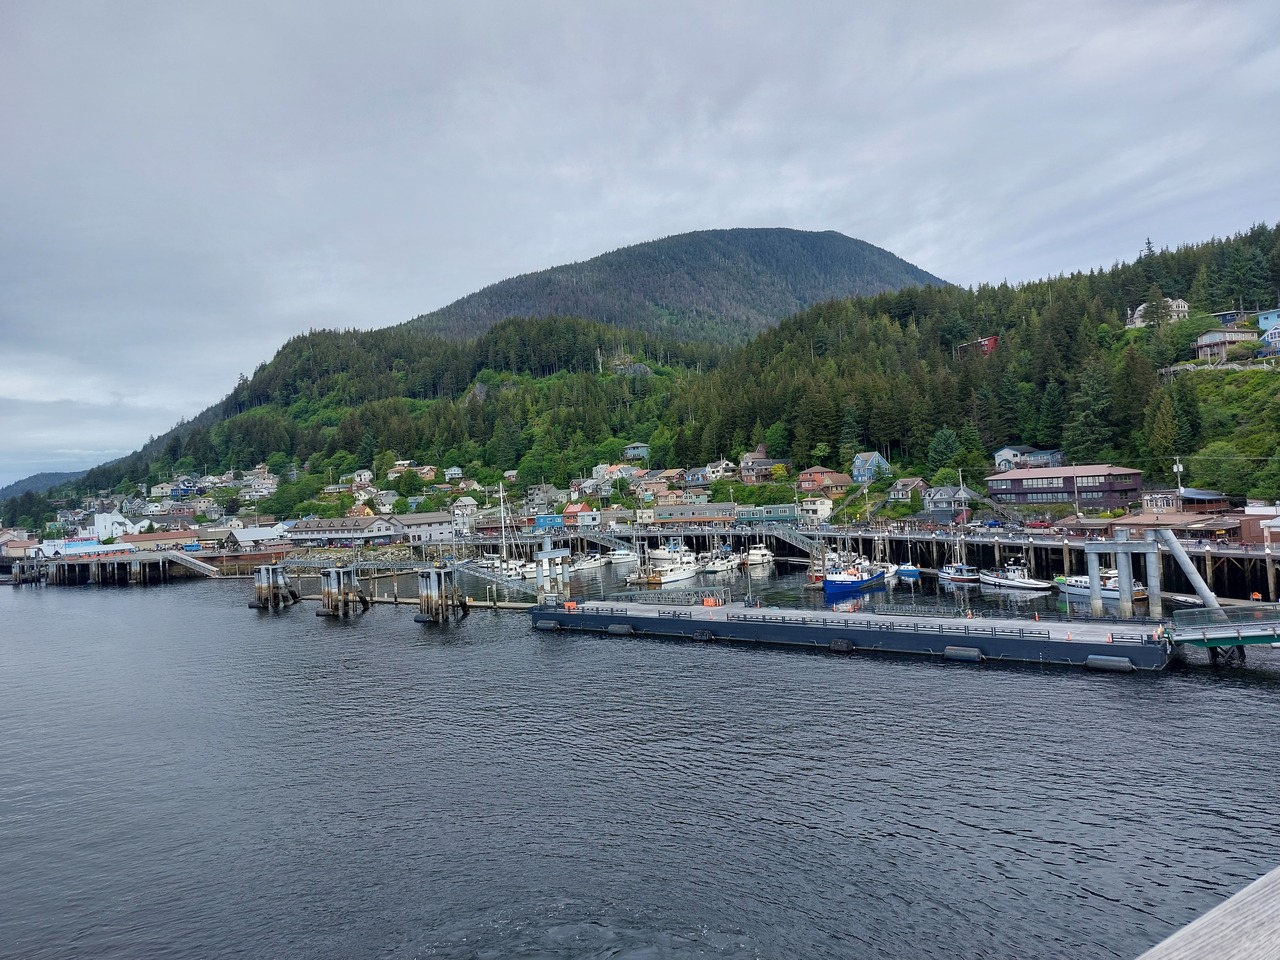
<point x="842" y="583"/>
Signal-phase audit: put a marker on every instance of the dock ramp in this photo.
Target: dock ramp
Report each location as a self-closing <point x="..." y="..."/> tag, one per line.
<point x="191" y="563"/>
<point x="1256" y="623"/>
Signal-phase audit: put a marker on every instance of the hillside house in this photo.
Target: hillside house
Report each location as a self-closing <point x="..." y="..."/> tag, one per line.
<point x="947" y="504"/>
<point x="867" y="466"/>
<point x="721" y="469"/>
<point x="1009" y="458"/>
<point x="811" y="478"/>
<point x="1214" y="345"/>
<point x="902" y="489"/>
<point x="635" y="451"/>
<point x="1178" y="310"/>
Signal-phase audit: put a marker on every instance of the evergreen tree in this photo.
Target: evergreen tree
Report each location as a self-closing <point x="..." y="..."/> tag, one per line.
<point x="1087" y="434"/>
<point x="943" y="448"/>
<point x="1160" y="437"/>
<point x="1186" y="415"/>
<point x="1156" y="311"/>
<point x="1051" y="416"/>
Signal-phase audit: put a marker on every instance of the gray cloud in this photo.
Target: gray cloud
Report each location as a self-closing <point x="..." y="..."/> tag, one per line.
<point x="183" y="188"/>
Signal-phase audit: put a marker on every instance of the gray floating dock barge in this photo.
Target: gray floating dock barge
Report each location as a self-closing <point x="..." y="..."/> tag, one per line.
<point x="1120" y="646"/>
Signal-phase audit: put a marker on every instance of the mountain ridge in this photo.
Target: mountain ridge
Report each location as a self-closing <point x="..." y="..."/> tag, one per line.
<point x="727" y="285"/>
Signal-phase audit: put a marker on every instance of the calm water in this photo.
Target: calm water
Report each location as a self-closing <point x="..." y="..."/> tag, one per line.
<point x="181" y="776"/>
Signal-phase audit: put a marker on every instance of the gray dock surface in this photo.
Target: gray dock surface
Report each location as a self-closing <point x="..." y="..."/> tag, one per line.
<point x="1244" y="927"/>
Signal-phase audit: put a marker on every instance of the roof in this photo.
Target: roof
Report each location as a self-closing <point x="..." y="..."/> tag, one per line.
<point x="341" y="523"/>
<point x="1191" y="493"/>
<point x="414" y="519"/>
<point x="1020" y="449"/>
<point x="1086" y="470"/>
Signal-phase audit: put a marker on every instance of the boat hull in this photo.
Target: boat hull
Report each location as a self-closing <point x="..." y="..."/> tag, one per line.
<point x="995" y="579"/>
<point x="837" y="585"/>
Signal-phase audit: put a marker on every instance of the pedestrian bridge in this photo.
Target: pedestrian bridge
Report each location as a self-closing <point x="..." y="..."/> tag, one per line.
<point x="1256" y="623"/>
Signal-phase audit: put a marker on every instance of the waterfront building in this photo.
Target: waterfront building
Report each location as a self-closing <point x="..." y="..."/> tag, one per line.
<point x="1095" y="486"/>
<point x="696" y="513"/>
<point x="772" y="513"/>
<point x="343" y="531"/>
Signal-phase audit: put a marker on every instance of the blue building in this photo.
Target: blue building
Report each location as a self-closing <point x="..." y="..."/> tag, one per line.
<point x="867" y="466"/>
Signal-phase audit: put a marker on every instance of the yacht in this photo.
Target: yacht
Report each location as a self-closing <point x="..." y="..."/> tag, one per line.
<point x="1015" y="574"/>
<point x="1078" y="586"/>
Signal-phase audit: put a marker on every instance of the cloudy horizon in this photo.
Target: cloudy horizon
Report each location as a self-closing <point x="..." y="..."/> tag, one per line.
<point x="184" y="188"/>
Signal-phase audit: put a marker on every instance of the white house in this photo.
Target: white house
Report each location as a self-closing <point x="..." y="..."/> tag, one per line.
<point x="1178" y="310"/>
<point x="113" y="524"/>
<point x="452" y="474"/>
<point x="815" y="510"/>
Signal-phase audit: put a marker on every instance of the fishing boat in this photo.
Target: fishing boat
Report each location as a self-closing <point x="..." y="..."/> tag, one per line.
<point x="1078" y="586"/>
<point x="1015" y="575"/>
<point x="841" y="583"/>
<point x="758" y="556"/>
<point x="908" y="570"/>
<point x="958" y="573"/>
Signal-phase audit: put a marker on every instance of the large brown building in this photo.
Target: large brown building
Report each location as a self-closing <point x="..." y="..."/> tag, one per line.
<point x="1090" y="486"/>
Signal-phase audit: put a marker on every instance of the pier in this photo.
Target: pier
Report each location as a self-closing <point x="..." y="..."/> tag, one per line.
<point x="1246" y="926"/>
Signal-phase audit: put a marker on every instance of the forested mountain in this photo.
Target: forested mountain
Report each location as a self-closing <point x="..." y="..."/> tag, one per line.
<point x="720" y="285"/>
<point x="39" y="483"/>
<point x="554" y="396"/>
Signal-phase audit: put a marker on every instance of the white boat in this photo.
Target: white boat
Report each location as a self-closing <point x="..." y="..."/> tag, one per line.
<point x="675" y="549"/>
<point x="1016" y="575"/>
<point x="622" y="555"/>
<point x="722" y="563"/>
<point x="676" y="573"/>
<point x="758" y="556"/>
<point x="587" y="561"/>
<point x="1078" y="586"/>
<point x="958" y="573"/>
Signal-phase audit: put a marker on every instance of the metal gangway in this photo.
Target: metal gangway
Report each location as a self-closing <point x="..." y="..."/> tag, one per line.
<point x="191" y="563"/>
<point x="604" y="539"/>
<point x="501" y="579"/>
<point x="794" y="537"/>
<point x="678" y="597"/>
<point x="1257" y="623"/>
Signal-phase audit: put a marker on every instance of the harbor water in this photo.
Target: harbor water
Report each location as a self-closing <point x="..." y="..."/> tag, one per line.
<point x="183" y="777"/>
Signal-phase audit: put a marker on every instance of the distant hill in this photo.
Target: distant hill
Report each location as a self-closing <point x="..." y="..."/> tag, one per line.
<point x="720" y="285"/>
<point x="39" y="483"/>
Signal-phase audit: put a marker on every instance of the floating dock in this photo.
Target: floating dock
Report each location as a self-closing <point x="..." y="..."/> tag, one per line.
<point x="1121" y="646"/>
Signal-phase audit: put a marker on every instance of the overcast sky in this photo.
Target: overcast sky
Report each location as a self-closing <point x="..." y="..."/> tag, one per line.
<point x="185" y="186"/>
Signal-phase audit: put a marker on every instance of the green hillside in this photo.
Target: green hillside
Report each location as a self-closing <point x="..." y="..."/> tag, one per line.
<point x="553" y="396"/>
<point x="720" y="285"/>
